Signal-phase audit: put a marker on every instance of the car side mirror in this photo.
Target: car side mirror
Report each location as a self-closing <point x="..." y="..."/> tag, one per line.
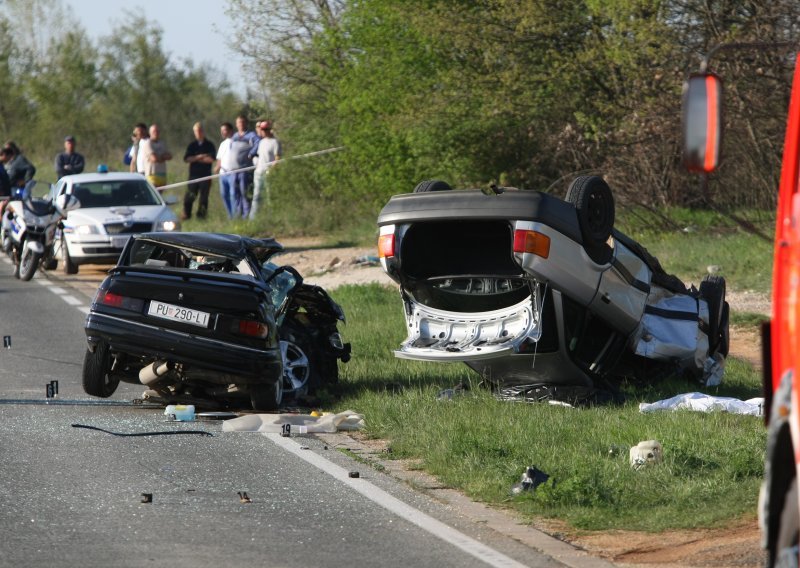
<point x="66" y="203"/>
<point x="702" y="122"/>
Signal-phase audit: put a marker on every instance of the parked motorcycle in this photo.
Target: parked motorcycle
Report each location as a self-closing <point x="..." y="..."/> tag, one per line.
<point x="28" y="228"/>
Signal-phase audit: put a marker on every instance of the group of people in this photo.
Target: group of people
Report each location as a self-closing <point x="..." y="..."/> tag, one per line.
<point x="242" y="159"/>
<point x="16" y="170"/>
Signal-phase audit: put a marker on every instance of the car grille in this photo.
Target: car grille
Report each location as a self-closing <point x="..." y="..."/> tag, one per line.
<point x="122" y="228"/>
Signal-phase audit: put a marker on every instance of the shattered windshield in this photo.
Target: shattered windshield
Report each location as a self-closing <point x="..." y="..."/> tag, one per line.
<point x="158" y="255"/>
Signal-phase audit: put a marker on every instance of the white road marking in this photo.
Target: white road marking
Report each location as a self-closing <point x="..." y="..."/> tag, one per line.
<point x="437" y="528"/>
<point x="84" y="309"/>
<point x="71" y="300"/>
<point x="43" y="281"/>
<point x="57" y="290"/>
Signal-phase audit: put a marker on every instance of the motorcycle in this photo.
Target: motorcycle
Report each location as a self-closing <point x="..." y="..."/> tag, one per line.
<point x="28" y="228"/>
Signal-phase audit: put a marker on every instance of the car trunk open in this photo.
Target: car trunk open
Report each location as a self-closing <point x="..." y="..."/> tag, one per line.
<point x="462" y="266"/>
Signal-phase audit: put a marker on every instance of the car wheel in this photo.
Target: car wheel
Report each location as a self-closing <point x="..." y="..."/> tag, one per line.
<point x="432" y="185"/>
<point x="724" y="331"/>
<point x="28" y="264"/>
<point x="69" y="265"/>
<point x="97" y="381"/>
<point x="296" y="368"/>
<point x="267" y="397"/>
<point x="594" y="204"/>
<point x="712" y="290"/>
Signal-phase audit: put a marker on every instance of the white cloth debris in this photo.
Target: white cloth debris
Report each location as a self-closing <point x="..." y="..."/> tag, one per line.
<point x="700" y="402"/>
<point x="327" y="423"/>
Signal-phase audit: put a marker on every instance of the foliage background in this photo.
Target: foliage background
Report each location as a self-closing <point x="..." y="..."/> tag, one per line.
<point x="526" y="93"/>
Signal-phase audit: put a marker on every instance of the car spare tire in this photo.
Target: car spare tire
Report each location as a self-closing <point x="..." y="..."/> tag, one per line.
<point x="712" y="290"/>
<point x="594" y="203"/>
<point x="432" y="185"/>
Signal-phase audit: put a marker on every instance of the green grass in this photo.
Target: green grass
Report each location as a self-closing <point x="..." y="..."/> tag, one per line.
<point x="712" y="462"/>
<point x="695" y="240"/>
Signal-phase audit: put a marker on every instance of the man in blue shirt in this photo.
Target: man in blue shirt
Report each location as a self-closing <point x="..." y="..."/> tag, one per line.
<point x="69" y="161"/>
<point x="243" y="145"/>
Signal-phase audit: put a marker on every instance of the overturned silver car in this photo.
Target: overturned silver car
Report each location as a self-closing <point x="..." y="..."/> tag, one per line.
<point x="535" y="291"/>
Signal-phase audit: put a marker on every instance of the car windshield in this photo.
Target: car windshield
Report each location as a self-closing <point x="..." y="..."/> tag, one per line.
<point x="158" y="255"/>
<point x="115" y="193"/>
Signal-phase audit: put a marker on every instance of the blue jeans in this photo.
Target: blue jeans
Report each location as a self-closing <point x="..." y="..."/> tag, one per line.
<point x="241" y="206"/>
<point x="226" y="192"/>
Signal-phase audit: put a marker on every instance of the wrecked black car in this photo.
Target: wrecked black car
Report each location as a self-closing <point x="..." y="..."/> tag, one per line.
<point x="541" y="294"/>
<point x="208" y="319"/>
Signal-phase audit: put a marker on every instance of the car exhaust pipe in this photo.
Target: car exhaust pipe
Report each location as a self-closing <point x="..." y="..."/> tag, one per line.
<point x="151" y="374"/>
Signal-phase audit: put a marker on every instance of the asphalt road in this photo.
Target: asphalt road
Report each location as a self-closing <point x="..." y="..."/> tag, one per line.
<point x="72" y="496"/>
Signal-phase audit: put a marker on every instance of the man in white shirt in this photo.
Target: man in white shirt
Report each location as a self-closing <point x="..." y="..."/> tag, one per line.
<point x="226" y="162"/>
<point x="269" y="152"/>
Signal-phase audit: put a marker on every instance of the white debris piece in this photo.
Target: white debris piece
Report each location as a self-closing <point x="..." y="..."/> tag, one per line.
<point x="300" y="423"/>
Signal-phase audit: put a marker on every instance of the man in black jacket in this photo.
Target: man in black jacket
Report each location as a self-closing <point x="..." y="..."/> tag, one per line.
<point x="69" y="161"/>
<point x="200" y="155"/>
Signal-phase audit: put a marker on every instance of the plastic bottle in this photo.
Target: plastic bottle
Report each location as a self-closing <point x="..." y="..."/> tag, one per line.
<point x="180" y="412"/>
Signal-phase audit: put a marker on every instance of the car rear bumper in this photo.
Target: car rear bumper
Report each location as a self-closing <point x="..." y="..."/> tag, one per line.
<point x="157" y="343"/>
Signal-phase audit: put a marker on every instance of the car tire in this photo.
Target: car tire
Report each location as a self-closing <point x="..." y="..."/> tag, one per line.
<point x="594" y="203"/>
<point x="68" y="264"/>
<point x="297" y="368"/>
<point x="28" y="264"/>
<point x="724" y="331"/>
<point x="712" y="290"/>
<point x="432" y="185"/>
<point x="97" y="381"/>
<point x="267" y="397"/>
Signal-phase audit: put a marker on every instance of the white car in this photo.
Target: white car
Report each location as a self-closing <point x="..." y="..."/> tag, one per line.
<point x="114" y="206"/>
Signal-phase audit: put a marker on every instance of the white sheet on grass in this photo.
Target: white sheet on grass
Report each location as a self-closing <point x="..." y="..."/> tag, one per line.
<point x="700" y="402"/>
<point x="301" y="423"/>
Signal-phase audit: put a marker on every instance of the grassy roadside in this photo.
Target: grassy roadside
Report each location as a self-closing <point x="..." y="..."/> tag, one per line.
<point x="712" y="463"/>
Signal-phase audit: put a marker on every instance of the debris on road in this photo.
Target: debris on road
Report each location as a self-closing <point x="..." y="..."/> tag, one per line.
<point x="163" y="433"/>
<point x="298" y="423"/>
<point x="179" y="412"/>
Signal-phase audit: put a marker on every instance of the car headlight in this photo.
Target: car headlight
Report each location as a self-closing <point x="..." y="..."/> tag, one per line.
<point x="87" y="230"/>
<point x="168" y="225"/>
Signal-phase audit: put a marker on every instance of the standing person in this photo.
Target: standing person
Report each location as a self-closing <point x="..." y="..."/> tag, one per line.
<point x="20" y="171"/>
<point x="200" y="156"/>
<point x="226" y="163"/>
<point x="242" y="147"/>
<point x="269" y="151"/>
<point x="155" y="157"/>
<point x="136" y="162"/>
<point x="69" y="161"/>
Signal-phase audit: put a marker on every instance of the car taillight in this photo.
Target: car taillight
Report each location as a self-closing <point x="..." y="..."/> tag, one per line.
<point x="252" y="328"/>
<point x="533" y="242"/>
<point x="386" y="246"/>
<point x="123" y="302"/>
